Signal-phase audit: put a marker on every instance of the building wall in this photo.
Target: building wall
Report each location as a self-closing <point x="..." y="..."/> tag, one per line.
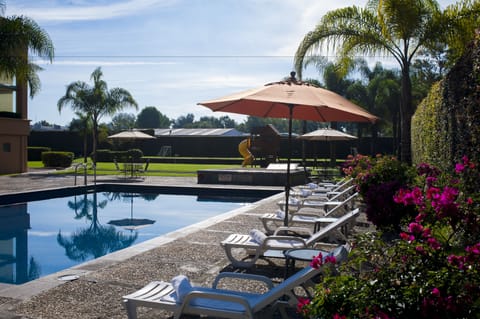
<point x="13" y="145"/>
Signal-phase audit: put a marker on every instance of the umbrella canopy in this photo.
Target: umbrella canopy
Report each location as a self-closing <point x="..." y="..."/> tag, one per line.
<point x="131" y="135"/>
<point x="327" y="134"/>
<point x="132" y="223"/>
<point x="291" y="99"/>
<point x="277" y="99"/>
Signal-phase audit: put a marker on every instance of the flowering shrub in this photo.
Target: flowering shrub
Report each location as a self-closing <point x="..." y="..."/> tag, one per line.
<point x="431" y="271"/>
<point x="317" y="262"/>
<point x="377" y="180"/>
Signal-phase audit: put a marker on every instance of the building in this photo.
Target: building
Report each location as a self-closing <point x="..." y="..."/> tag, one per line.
<point x="198" y="132"/>
<point x="14" y="127"/>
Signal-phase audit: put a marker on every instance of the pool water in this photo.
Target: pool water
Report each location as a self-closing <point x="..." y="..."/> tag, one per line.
<point x="42" y="237"/>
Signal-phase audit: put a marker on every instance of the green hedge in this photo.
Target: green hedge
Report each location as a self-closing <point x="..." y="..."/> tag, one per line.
<point x="57" y="159"/>
<point x="121" y="156"/>
<point x="446" y="125"/>
<point x="427" y="137"/>
<point x="35" y="152"/>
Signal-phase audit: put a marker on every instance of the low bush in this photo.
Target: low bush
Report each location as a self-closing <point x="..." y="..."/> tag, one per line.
<point x="377" y="180"/>
<point x="35" y="152"/>
<point x="121" y="156"/>
<point x="57" y="159"/>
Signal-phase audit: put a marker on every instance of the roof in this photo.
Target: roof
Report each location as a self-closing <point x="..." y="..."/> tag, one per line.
<point x="198" y="132"/>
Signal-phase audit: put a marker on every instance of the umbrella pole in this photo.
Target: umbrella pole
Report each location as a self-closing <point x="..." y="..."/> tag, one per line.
<point x="287" y="184"/>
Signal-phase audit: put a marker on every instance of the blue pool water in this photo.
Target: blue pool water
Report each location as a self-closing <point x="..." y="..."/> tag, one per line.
<point x="38" y="238"/>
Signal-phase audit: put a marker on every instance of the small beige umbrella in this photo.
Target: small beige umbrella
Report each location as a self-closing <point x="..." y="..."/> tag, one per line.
<point x="327" y="135"/>
<point x="130" y="135"/>
<point x="128" y="138"/>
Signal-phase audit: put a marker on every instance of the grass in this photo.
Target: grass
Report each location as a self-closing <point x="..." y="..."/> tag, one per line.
<point x="159" y="169"/>
<point x="154" y="169"/>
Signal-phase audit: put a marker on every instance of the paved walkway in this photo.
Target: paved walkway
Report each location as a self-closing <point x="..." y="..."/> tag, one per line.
<point x="193" y="251"/>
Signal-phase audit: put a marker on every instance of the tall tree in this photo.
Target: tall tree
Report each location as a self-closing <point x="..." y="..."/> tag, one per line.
<point x="399" y="28"/>
<point x="122" y="122"/>
<point x="95" y="101"/>
<point x="82" y="125"/>
<point x="184" y="121"/>
<point x="19" y="37"/>
<point x="151" y="117"/>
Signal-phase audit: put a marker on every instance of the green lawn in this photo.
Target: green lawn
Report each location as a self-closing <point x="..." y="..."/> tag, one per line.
<point x="154" y="169"/>
<point x="161" y="169"/>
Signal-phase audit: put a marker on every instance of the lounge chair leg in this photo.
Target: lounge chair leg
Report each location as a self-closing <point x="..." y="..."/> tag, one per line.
<point x="239" y="263"/>
<point x="131" y="309"/>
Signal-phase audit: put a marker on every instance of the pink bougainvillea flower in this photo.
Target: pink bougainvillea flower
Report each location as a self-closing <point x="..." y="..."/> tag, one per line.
<point x="427" y="233"/>
<point x="430" y="180"/>
<point x="330" y="259"/>
<point x="407" y="237"/>
<point x="433" y="243"/>
<point x="457" y="261"/>
<point x="459" y="168"/>
<point x="337" y="316"/>
<point x="409" y="197"/>
<point x="436" y="292"/>
<point x="301" y="305"/>
<point x="317" y="261"/>
<point x="431" y="192"/>
<point x="420" y="249"/>
<point x="473" y="249"/>
<point x="415" y="228"/>
<point x="420" y="217"/>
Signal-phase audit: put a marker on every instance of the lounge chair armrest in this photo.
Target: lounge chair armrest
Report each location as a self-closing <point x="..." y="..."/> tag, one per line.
<point x="265" y="245"/>
<point x="307" y="213"/>
<point x="300" y="230"/>
<point x="216" y="296"/>
<point x="250" y="277"/>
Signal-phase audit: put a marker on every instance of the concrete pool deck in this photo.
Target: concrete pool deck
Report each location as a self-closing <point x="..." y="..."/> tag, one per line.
<point x="97" y="293"/>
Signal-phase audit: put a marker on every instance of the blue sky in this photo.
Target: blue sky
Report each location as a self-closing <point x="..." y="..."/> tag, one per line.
<point x="170" y="54"/>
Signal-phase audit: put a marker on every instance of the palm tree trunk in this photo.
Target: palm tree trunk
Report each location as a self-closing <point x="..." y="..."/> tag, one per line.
<point x="94" y="143"/>
<point x="406" y="116"/>
<point x="85" y="146"/>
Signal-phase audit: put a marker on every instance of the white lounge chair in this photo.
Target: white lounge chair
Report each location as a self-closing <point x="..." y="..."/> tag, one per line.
<point x="257" y="244"/>
<point x="327" y="186"/>
<point x="321" y="202"/>
<point x="316" y="218"/>
<point x="181" y="298"/>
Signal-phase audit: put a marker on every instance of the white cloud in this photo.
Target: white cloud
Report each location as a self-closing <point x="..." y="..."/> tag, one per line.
<point x="76" y="12"/>
<point x="96" y="63"/>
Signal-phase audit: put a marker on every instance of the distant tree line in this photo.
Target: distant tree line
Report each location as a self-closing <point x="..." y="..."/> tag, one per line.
<point x="377" y="89"/>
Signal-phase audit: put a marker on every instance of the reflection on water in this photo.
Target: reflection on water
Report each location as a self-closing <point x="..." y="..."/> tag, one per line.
<point x="42" y="237"/>
<point x="95" y="240"/>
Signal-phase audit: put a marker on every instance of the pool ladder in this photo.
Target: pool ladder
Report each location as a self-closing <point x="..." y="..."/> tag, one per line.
<point x="84" y="173"/>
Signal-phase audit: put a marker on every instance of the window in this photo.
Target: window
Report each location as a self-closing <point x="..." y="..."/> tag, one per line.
<point x="7" y="147"/>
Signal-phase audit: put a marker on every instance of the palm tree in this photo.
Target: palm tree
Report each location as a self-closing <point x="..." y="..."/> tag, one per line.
<point x="95" y="101"/>
<point x="83" y="126"/>
<point x="19" y="36"/>
<point x="398" y="28"/>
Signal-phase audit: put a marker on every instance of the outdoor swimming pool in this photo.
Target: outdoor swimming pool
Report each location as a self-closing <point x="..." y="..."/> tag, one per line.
<point x="42" y="237"/>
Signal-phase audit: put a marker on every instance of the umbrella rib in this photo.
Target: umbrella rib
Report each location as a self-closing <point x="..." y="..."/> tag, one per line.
<point x="317" y="109"/>
<point x="269" y="110"/>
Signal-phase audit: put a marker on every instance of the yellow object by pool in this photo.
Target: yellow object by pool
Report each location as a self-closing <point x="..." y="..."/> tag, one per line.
<point x="244" y="149"/>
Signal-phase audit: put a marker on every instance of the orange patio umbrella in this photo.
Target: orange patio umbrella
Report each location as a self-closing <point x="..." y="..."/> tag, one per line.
<point x="291" y="99"/>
